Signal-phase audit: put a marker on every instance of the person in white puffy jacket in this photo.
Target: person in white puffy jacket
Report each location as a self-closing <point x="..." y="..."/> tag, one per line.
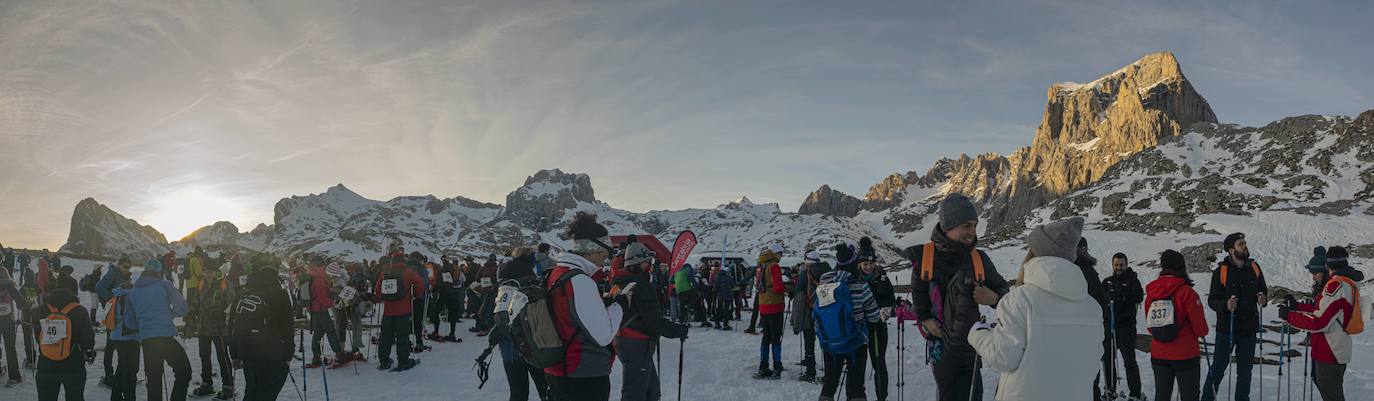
<point x="1048" y="335"/>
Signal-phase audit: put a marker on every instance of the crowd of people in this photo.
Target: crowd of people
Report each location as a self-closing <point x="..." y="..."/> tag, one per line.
<point x="561" y="321"/>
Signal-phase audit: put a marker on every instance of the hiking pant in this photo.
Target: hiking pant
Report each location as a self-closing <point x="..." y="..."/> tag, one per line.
<point x="11" y="359"/>
<point x="474" y="302"/>
<point x="349" y="320"/>
<point x="50" y="383"/>
<point x="580" y="388"/>
<point x="322" y="326"/>
<point x="226" y="371"/>
<point x="519" y="375"/>
<point x="126" y="374"/>
<point x="453" y="303"/>
<point x="1125" y="346"/>
<point x="263" y="380"/>
<point x="739" y="304"/>
<point x="395" y="330"/>
<point x="957" y="373"/>
<point x="109" y="353"/>
<point x="754" y="314"/>
<point x="417" y="323"/>
<point x="1187" y="373"/>
<point x="771" y="340"/>
<point x="850" y="368"/>
<point x="877" y="356"/>
<point x="30" y="336"/>
<point x="1244" y="347"/>
<point x="723" y="314"/>
<point x="159" y="350"/>
<point x="641" y="377"/>
<point x="809" y="351"/>
<point x="435" y="309"/>
<point x="1330" y="378"/>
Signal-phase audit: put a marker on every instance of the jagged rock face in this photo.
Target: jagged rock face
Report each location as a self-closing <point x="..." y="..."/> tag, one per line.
<point x="829" y="202"/>
<point x="546" y="196"/>
<point x="97" y="230"/>
<point x="222" y="232"/>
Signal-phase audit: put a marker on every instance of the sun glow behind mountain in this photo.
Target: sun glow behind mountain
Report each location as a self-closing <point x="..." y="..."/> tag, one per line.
<point x="184" y="209"/>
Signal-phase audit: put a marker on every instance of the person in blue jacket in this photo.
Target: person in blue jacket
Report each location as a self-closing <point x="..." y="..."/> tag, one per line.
<point x="121" y="336"/>
<point x="156" y="302"/>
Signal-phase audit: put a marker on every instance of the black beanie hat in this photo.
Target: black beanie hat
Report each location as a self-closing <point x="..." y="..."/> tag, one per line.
<point x="518" y="267"/>
<point x="1231" y="240"/>
<point x="844" y="256"/>
<point x="866" y="251"/>
<point x="1337" y="257"/>
<point x="584" y="226"/>
<point x="1173" y="261"/>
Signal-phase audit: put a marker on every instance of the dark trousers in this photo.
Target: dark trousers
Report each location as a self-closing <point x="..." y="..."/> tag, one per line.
<point x="321" y="325"/>
<point x="809" y="351"/>
<point x="11" y="359"/>
<point x="519" y="375"/>
<point x="1187" y="373"/>
<point x="580" y="388"/>
<point x="957" y="373"/>
<point x="877" y="356"/>
<point x="1330" y="378"/>
<point x="263" y="379"/>
<point x="126" y="373"/>
<point x="641" y="377"/>
<point x="395" y="330"/>
<point x="454" y="304"/>
<point x="723" y="313"/>
<point x="50" y="384"/>
<point x="850" y="368"/>
<point x="1125" y="346"/>
<point x="1244" y="347"/>
<point x="754" y="314"/>
<point x="771" y="340"/>
<point x="156" y="352"/>
<point x="226" y="371"/>
<point x="109" y="353"/>
<point x="417" y="324"/>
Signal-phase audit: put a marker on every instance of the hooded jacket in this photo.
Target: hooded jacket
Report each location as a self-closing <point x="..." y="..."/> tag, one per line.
<point x="83" y="336"/>
<point x="208" y="308"/>
<point x="264" y="284"/>
<point x="1189" y="317"/>
<point x="1049" y="334"/>
<point x="116" y="281"/>
<point x="1328" y="316"/>
<point x="155" y="303"/>
<point x="583" y="319"/>
<point x="953" y="277"/>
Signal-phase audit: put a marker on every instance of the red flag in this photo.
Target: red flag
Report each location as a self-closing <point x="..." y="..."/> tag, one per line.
<point x="682" y="248"/>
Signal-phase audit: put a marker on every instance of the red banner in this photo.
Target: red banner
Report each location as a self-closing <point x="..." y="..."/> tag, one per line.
<point x="682" y="248"/>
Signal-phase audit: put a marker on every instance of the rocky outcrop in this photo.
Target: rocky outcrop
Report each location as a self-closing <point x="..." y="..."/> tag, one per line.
<point x="221" y="232"/>
<point x="829" y="202"/>
<point x="541" y="203"/>
<point x="97" y="230"/>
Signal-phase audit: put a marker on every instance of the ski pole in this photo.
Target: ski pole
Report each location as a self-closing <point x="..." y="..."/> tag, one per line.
<point x="293" y="384"/>
<point x="1230" y="341"/>
<point x="680" y="345"/>
<point x="1259" y="337"/>
<point x="1306" y="361"/>
<point x="325" y="378"/>
<point x="973" y="382"/>
<point x="901" y="359"/>
<point x="305" y="382"/>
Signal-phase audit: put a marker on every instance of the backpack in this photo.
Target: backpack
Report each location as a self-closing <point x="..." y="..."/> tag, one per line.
<point x="55" y="341"/>
<point x="1161" y="319"/>
<point x="303" y="292"/>
<point x="390" y="284"/>
<point x="109" y="319"/>
<point x="833" y="315"/>
<point x="249" y="316"/>
<point x="1356" y="323"/>
<point x="527" y="310"/>
<point x="1253" y="267"/>
<point x="88" y="283"/>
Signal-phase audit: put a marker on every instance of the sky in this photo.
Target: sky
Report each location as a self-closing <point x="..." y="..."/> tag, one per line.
<point x="180" y="114"/>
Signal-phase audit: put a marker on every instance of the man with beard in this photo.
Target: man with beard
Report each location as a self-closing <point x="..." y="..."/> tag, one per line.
<point x="950" y="280"/>
<point x="1237" y="294"/>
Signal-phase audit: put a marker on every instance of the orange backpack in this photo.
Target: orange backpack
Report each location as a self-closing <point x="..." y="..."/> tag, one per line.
<point x="928" y="263"/>
<point x="109" y="321"/>
<point x="1356" y="323"/>
<point x="55" y="341"/>
<point x="1253" y="266"/>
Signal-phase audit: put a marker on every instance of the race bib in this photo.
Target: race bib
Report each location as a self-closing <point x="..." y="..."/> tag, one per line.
<point x="348" y="294"/>
<point x="1160" y="314"/>
<point x="510" y="300"/>
<point x="6" y="309"/>
<point x="486" y="281"/>
<point x="448" y="277"/>
<point x="390" y="287"/>
<point x="53" y="331"/>
<point x="825" y="294"/>
<point x="243" y="280"/>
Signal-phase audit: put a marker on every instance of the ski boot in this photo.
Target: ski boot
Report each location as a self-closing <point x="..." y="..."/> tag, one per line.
<point x="226" y="393"/>
<point x="763" y="373"/>
<point x="406" y="365"/>
<point x="203" y="390"/>
<point x="452" y="338"/>
<point x="807" y="377"/>
<point x="14" y="382"/>
<point x="385" y="365"/>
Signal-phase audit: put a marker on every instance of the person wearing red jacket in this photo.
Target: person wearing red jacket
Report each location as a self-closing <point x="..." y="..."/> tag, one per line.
<point x="772" y="304"/>
<point x="1176" y="361"/>
<point x="397" y="287"/>
<point x="1331" y="318"/>
<point x="316" y="293"/>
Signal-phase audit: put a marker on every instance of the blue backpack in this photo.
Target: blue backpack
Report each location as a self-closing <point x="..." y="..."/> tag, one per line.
<point x="833" y="315"/>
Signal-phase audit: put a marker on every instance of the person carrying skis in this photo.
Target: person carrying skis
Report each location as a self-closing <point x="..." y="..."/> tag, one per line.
<point x="886" y="296"/>
<point x="948" y="285"/>
<point x="11" y="302"/>
<point x="1125" y="293"/>
<point x="68" y="344"/>
<point x="155" y="303"/>
<point x="1237" y="294"/>
<point x="581" y="317"/>
<point x="396" y="288"/>
<point x="840" y="329"/>
<point x="1175" y="310"/>
<point x="1043" y="324"/>
<point x="121" y="335"/>
<point x="207" y="319"/>
<point x="1336" y="314"/>
<point x="637" y="342"/>
<point x="261" y="334"/>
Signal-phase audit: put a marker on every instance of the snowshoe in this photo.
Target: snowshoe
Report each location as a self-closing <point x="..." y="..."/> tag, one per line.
<point x="225" y="394"/>
<point x="453" y="339"/>
<point x="385" y="365"/>
<point x="475" y="329"/>
<point x="807" y="377"/>
<point x="421" y="348"/>
<point x="750" y="331"/>
<point x="14" y="382"/>
<point x="483" y="333"/>
<point x="705" y="325"/>
<point x="313" y="364"/>
<point x="434" y="337"/>
<point x="203" y="390"/>
<point x="105" y="381"/>
<point x="406" y="365"/>
<point x="357" y="356"/>
<point x="340" y="363"/>
<point x="764" y="374"/>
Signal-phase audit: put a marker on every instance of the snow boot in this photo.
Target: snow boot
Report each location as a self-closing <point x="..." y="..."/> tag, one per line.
<point x="357" y="356"/>
<point x="434" y="337"/>
<point x="14" y="382"/>
<point x="807" y="377"/>
<point x="764" y="373"/>
<point x="341" y="362"/>
<point x="105" y="381"/>
<point x="314" y="363"/>
<point x="225" y="394"/>
<point x="385" y="365"/>
<point x="203" y="390"/>
<point x="421" y="348"/>
<point x="406" y="365"/>
<point x="475" y="329"/>
<point x="453" y="339"/>
<point x="750" y="331"/>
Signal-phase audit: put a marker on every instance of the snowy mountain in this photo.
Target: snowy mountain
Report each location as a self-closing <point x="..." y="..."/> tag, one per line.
<point x="97" y="230"/>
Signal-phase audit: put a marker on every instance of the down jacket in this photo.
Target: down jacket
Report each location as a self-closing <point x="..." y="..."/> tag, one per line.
<point x="1049" y="336"/>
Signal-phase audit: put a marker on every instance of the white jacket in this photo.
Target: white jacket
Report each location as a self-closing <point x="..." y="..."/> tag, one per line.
<point x="1049" y="335"/>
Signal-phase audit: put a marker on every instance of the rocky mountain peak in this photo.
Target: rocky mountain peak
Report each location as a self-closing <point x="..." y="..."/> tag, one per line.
<point x="830" y="202"/>
<point x="546" y="196"/>
<point x="97" y="230"/>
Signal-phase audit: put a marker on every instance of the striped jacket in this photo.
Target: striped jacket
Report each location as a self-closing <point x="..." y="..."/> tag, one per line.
<point x="865" y="305"/>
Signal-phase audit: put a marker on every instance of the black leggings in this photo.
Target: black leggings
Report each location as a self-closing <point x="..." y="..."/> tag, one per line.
<point x="1185" y="372"/>
<point x="159" y="350"/>
<point x="835" y="367"/>
<point x="207" y="344"/>
<point x="519" y="375"/>
<point x="877" y="355"/>
<point x="580" y="388"/>
<point x="126" y="374"/>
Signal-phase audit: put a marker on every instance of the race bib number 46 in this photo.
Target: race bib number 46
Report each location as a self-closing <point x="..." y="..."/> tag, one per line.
<point x="53" y="331"/>
<point x="825" y="294"/>
<point x="6" y="309"/>
<point x="1160" y="314"/>
<point x="390" y="287"/>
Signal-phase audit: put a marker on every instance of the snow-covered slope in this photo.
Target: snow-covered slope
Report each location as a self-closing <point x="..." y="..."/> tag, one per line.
<point x="97" y="230"/>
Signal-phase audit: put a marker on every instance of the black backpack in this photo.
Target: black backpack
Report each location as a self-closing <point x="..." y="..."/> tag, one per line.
<point x="1161" y="319"/>
<point x="392" y="285"/>
<point x="534" y="330"/>
<point x="250" y="322"/>
<point x="88" y="283"/>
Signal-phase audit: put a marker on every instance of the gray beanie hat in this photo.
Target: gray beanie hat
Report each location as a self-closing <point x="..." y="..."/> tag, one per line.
<point x="1059" y="238"/>
<point x="956" y="209"/>
<point x="637" y="253"/>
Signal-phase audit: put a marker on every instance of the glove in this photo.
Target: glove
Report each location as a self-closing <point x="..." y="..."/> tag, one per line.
<point x="1289" y="304"/>
<point x="90" y="356"/>
<point x="885" y="313"/>
<point x="984" y="325"/>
